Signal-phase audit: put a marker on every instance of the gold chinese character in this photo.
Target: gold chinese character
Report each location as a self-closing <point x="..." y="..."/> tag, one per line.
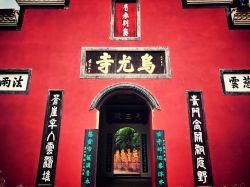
<point x="147" y="65"/>
<point x="104" y="63"/>
<point x="124" y="63"/>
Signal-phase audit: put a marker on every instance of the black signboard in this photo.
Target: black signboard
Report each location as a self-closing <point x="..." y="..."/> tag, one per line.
<point x="127" y="116"/>
<point x="89" y="158"/>
<point x="199" y="141"/>
<point x="50" y="139"/>
<point x="160" y="159"/>
<point x="125" y="62"/>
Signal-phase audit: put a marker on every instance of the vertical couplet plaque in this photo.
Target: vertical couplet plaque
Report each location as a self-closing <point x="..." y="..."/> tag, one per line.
<point x="49" y="148"/>
<point x="160" y="159"/>
<point x="89" y="158"/>
<point x="125" y="20"/>
<point x="199" y="141"/>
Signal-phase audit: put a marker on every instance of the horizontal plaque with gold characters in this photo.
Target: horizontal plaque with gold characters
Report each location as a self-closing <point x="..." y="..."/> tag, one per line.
<point x="125" y="62"/>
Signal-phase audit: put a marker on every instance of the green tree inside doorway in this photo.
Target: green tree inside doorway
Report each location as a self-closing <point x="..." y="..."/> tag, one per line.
<point x="127" y="151"/>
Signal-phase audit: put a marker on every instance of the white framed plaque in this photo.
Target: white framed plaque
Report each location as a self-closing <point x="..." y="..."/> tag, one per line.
<point x="235" y="82"/>
<point x="15" y="81"/>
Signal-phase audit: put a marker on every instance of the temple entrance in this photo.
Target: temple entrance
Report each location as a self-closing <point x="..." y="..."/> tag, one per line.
<point x="124" y="142"/>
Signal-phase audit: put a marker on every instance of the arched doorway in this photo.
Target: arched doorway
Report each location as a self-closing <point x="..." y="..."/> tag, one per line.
<point x="124" y="147"/>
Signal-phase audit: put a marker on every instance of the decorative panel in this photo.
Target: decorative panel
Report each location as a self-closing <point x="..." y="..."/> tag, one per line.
<point x="238" y="18"/>
<point x="10" y="19"/>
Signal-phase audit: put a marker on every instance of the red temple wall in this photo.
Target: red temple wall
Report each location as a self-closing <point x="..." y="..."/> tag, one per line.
<point x="200" y="44"/>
